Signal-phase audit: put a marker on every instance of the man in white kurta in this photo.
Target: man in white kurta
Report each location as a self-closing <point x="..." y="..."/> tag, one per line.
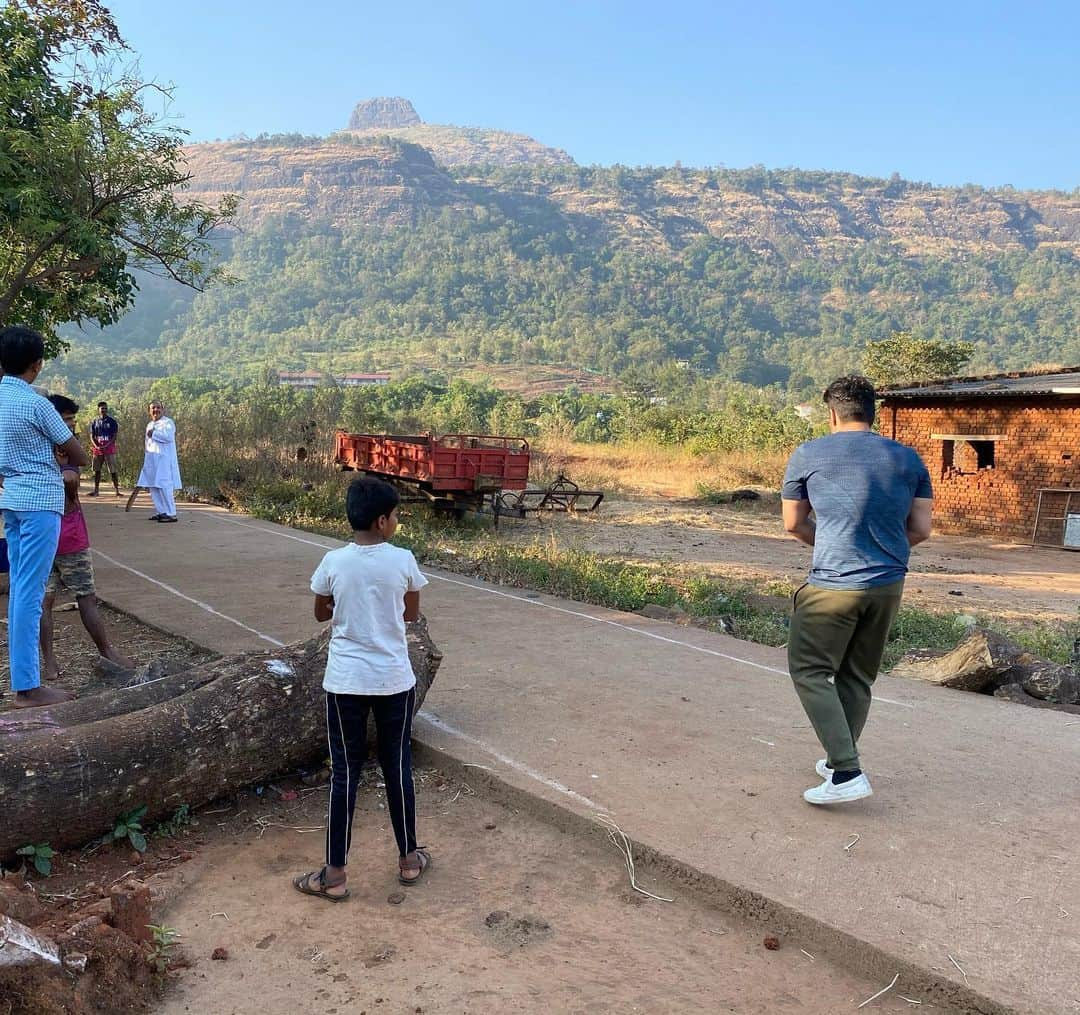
<point x="161" y="469"/>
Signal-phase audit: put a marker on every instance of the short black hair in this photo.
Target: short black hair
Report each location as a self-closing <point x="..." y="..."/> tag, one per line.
<point x="64" y="405"/>
<point x="20" y="349"/>
<point x="367" y="500"/>
<point x="103" y="405"/>
<point x="852" y="398"/>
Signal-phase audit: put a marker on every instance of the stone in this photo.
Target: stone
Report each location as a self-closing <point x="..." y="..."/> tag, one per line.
<point x="20" y="903"/>
<point x="1016" y="693"/>
<point x="1052" y="682"/>
<point x="383" y="113"/>
<point x="131" y="912"/>
<point x="654" y="611"/>
<point x="220" y="954"/>
<point x="981" y="662"/>
<point x="102" y="907"/>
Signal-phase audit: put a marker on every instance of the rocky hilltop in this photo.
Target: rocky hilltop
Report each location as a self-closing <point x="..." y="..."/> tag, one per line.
<point x="449" y="145"/>
<point x="382" y="113"/>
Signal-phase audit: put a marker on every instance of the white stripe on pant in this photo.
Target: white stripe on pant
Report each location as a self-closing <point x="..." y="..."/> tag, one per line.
<point x="346" y="729"/>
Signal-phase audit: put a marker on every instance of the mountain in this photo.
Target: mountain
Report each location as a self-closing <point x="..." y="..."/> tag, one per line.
<point x="397" y="242"/>
<point x="451" y="146"/>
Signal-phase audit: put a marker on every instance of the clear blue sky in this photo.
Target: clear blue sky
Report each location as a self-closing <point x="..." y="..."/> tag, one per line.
<point x="950" y="92"/>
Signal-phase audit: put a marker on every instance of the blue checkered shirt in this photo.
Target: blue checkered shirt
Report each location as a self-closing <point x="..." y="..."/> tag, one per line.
<point x="29" y="430"/>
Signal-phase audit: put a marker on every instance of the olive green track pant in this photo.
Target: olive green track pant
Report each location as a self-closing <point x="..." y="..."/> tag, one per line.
<point x="834" y="650"/>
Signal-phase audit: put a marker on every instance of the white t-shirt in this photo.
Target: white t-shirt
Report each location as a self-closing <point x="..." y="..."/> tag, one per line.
<point x="368" y="650"/>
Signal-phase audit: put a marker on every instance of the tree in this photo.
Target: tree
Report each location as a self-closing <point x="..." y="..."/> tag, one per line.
<point x="903" y="359"/>
<point x="90" y="177"/>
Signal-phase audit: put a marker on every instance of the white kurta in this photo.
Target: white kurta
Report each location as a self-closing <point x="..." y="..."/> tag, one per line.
<point x="160" y="466"/>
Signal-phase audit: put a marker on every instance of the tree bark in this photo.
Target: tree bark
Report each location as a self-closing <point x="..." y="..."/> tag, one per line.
<point x="184" y="739"/>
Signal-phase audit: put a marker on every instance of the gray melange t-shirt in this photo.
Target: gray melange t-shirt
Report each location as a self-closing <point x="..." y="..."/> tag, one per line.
<point x="860" y="486"/>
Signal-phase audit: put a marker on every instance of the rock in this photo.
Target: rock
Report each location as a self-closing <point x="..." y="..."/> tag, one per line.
<point x="494" y="918"/>
<point x="1016" y="693"/>
<point x="83" y="926"/>
<point x="220" y="954"/>
<point x="654" y="611"/>
<point x="101" y="908"/>
<point x="733" y="496"/>
<point x="772" y="943"/>
<point x="22" y="947"/>
<point x="490" y="826"/>
<point x="1052" y="682"/>
<point x="396" y="898"/>
<point x="981" y="662"/>
<point x="382" y="112"/>
<point x="131" y="912"/>
<point x="20" y="902"/>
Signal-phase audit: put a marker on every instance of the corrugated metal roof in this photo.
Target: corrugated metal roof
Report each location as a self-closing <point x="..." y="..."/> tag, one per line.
<point x="1015" y="385"/>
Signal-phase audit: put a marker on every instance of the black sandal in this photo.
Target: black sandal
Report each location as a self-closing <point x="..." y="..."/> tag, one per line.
<point x="424" y="857"/>
<point x="303" y="885"/>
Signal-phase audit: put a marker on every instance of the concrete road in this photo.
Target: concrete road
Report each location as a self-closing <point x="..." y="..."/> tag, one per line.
<point x="966" y="858"/>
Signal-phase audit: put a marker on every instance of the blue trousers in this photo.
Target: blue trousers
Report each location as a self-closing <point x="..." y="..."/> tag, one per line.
<point x="32" y="538"/>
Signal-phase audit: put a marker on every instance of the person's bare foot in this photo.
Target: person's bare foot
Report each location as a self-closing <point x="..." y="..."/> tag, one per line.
<point x="121" y="660"/>
<point x="41" y="696"/>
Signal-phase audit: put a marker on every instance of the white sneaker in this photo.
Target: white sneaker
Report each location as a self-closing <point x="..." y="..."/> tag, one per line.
<point x="827" y="793"/>
<point x="822" y="769"/>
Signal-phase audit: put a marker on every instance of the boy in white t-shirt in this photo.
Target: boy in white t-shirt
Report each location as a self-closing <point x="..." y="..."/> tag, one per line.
<point x="368" y="589"/>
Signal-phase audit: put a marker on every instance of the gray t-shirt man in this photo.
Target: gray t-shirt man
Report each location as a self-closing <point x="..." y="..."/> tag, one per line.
<point x="861" y="501"/>
<point x="861" y="487"/>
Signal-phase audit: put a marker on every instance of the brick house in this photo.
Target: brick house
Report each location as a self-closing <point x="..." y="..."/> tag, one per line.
<point x="1003" y="452"/>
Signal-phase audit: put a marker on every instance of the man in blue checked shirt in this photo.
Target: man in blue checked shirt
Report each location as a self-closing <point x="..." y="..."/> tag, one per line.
<point x="32" y="501"/>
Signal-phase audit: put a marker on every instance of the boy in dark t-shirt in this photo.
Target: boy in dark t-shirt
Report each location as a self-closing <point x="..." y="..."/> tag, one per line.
<point x="871" y="501"/>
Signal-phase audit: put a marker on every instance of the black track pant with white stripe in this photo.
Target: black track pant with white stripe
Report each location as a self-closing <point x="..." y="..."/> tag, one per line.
<point x="346" y="727"/>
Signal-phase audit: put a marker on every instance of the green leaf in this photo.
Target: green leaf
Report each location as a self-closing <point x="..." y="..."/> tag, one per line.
<point x="137" y="815"/>
<point x="121" y="830"/>
<point x="43" y="865"/>
<point x="46" y="851"/>
<point x="138" y="840"/>
<point x="26" y="851"/>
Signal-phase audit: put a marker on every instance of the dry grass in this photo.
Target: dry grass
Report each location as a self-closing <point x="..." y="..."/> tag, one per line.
<point x="648" y="469"/>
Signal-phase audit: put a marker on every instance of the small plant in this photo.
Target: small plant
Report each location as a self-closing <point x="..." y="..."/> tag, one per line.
<point x="161" y="948"/>
<point x="181" y="820"/>
<point x="129" y="826"/>
<point x="40" y="855"/>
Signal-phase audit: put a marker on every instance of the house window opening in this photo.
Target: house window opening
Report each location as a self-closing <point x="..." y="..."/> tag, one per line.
<point x="984" y="454"/>
<point x="948" y="455"/>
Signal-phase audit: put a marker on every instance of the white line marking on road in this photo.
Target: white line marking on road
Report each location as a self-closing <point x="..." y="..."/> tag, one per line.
<point x="274" y="532"/>
<point x="195" y="602"/>
<point x="558" y="609"/>
<point x="517" y="766"/>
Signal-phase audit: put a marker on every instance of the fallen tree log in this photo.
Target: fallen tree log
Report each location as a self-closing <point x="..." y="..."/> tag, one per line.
<point x="227" y="723"/>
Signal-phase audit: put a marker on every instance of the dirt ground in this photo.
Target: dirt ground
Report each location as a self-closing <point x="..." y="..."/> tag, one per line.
<point x="77" y="654"/>
<point x="513" y="916"/>
<point x="746" y="542"/>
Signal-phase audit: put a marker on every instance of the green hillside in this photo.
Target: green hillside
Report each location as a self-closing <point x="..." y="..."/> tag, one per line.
<point x="367" y="253"/>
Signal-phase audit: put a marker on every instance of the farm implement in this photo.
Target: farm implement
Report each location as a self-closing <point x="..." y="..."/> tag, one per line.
<point x="457" y="473"/>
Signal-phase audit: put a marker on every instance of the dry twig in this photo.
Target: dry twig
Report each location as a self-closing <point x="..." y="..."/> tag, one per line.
<point x="622" y="844"/>
<point x="960" y="967"/>
<point x="855" y="837"/>
<point x="884" y="990"/>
